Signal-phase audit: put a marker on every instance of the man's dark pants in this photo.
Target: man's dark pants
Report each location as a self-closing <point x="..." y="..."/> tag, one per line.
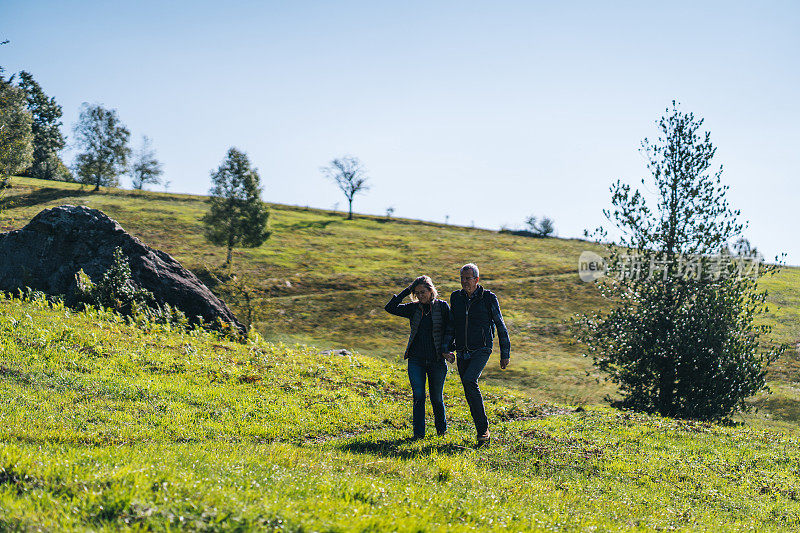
<point x="435" y="371"/>
<point x="470" y="370"/>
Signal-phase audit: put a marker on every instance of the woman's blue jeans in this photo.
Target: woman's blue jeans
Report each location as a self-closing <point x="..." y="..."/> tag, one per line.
<point x="435" y="371"/>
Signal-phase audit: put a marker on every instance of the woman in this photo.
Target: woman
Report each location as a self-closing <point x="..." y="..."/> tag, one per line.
<point x="428" y="346"/>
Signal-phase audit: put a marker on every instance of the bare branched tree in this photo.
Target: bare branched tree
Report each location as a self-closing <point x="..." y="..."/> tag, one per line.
<point x="145" y="167"/>
<point x="351" y="177"/>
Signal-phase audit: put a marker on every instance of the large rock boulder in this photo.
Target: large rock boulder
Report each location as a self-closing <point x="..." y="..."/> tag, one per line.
<point x="47" y="253"/>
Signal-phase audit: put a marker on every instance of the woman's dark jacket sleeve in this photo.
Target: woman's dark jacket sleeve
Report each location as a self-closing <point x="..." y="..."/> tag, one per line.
<point x="396" y="308"/>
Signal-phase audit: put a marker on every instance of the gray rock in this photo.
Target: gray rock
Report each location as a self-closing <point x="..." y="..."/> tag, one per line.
<point x="46" y="254"/>
<point x="340" y="352"/>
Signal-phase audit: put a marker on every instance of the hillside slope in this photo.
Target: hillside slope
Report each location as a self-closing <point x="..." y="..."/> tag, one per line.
<point x="323" y="280"/>
<point x="105" y="426"/>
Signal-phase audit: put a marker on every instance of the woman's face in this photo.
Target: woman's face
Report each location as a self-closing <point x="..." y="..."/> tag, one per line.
<point x="423" y="294"/>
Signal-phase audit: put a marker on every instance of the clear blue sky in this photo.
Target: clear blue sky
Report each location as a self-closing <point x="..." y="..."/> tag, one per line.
<point x="486" y="112"/>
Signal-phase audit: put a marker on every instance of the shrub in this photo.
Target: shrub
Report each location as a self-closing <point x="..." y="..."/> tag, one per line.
<point x="117" y="291"/>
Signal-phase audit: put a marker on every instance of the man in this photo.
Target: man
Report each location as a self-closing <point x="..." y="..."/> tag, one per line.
<point x="476" y="314"/>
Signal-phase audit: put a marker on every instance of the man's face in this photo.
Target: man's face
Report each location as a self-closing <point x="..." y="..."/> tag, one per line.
<point x="468" y="281"/>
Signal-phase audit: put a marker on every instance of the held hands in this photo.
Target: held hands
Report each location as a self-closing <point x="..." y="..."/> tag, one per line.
<point x="503" y="363"/>
<point x="450" y="357"/>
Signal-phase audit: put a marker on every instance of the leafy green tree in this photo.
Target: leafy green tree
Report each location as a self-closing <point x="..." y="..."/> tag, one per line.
<point x="350" y="176"/>
<point x="104" y="141"/>
<point x="237" y="215"/>
<point x="682" y="340"/>
<point x="47" y="137"/>
<point x="16" y="135"/>
<point x="145" y="168"/>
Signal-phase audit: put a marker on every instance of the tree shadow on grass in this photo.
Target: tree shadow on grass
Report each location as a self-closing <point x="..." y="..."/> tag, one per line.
<point x="308" y="224"/>
<point x="403" y="448"/>
<point x="40" y="196"/>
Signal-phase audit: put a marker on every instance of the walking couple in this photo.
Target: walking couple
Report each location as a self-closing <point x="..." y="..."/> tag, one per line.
<point x="466" y="325"/>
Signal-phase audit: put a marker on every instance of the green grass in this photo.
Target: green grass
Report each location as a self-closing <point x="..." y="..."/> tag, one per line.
<point x="341" y="273"/>
<point x="322" y="280"/>
<point x="106" y="426"/>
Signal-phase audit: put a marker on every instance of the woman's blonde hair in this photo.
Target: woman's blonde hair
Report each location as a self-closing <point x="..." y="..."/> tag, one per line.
<point x="427" y="282"/>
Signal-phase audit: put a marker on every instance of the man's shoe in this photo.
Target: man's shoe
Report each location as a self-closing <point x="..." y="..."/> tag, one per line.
<point x="484" y="439"/>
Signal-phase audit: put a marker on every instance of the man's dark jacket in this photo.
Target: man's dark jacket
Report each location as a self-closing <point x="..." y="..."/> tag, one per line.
<point x="440" y="317"/>
<point x="475" y="319"/>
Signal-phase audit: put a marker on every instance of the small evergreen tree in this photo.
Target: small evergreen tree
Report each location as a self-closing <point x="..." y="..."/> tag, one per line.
<point x="237" y="215"/>
<point x="116" y="289"/>
<point x="682" y="341"/>
<point x="104" y="141"/>
<point x="47" y="137"/>
<point x="145" y="168"/>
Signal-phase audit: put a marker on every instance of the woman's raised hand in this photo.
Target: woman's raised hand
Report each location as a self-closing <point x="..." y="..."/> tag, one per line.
<point x="416" y="282"/>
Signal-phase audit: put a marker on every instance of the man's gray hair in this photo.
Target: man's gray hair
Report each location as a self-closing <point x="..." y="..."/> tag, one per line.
<point x="470" y="266"/>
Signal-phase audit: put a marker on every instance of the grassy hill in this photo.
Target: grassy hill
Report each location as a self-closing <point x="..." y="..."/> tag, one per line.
<point x="323" y="281"/>
<point x="105" y="426"/>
